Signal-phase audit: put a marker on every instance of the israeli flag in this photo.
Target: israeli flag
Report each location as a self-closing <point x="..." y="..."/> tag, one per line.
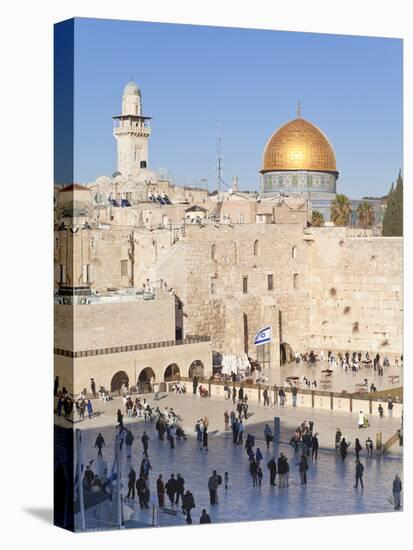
<point x="263" y="337"/>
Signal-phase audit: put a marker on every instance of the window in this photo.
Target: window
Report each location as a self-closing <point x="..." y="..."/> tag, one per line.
<point x="124" y="268"/>
<point x="295" y="281"/>
<point x="256" y="248"/>
<point x="270" y="281"/>
<point x="294" y="252"/>
<point x="245" y="285"/>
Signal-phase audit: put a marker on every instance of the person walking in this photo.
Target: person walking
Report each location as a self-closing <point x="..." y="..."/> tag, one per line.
<point x="272" y="466"/>
<point x="281" y="395"/>
<point x="143" y="492"/>
<point x="145" y="442"/>
<point x="338" y="438"/>
<point x="357" y="448"/>
<point x="194" y="385"/>
<point x="160" y="490"/>
<point x="188" y="502"/>
<point x="180" y="487"/>
<point x="283" y="468"/>
<point x="226" y="480"/>
<point x="369" y="446"/>
<point x="266" y="397"/>
<point x="235" y="430"/>
<point x="131" y="483"/>
<point x="213" y="488"/>
<point x="99" y="443"/>
<point x="314" y="446"/>
<point x="240" y="432"/>
<point x="343" y="448"/>
<point x="171" y="488"/>
<point x="205" y="518"/>
<point x="156" y="391"/>
<point x="268" y="435"/>
<point x="258" y="456"/>
<point x="302" y="468"/>
<point x="198" y="430"/>
<point x="234" y="394"/>
<point x="390" y="406"/>
<point x="361" y="420"/>
<point x="89" y="408"/>
<point x="93" y="386"/>
<point x="359" y="474"/>
<point x="226" y="421"/>
<point x="204" y="439"/>
<point x="294" y="393"/>
<point x="380" y="411"/>
<point x="128" y="442"/>
<point x="397" y="492"/>
<point x="253" y="469"/>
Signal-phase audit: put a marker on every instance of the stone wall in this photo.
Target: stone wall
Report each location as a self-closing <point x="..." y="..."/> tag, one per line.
<point x="104" y="325"/>
<point x="356" y="293"/>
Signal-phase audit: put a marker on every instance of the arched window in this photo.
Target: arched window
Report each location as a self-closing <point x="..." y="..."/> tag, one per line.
<point x="213" y="251"/>
<point x="294" y="252"/>
<point x="256" y="248"/>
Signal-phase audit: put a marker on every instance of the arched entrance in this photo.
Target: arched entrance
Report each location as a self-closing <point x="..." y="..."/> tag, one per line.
<point x="172" y="372"/>
<point x="196" y="369"/>
<point x="118" y="380"/>
<point x="286" y="353"/>
<point x="144" y="380"/>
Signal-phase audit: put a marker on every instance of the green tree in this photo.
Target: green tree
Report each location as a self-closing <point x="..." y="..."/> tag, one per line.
<point x="340" y="210"/>
<point x="393" y="215"/>
<point x="317" y="218"/>
<point x="365" y="214"/>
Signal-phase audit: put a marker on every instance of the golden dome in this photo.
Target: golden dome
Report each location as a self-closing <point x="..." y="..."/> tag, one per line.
<point x="299" y="145"/>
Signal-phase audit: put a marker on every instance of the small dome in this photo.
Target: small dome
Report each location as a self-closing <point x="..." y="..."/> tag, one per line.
<point x="299" y="145"/>
<point x="131" y="88"/>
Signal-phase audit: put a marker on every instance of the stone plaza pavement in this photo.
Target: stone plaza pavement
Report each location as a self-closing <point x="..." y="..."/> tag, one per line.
<point x="330" y="488"/>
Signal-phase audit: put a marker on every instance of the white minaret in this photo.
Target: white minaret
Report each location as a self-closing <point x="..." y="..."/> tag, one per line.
<point x="132" y="131"/>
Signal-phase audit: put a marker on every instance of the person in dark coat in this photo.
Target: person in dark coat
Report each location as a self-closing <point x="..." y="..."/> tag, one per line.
<point x="314" y="447"/>
<point x="99" y="443"/>
<point x="93" y="386"/>
<point x="89" y="476"/>
<point x="258" y="456"/>
<point x="120" y="417"/>
<point x="171" y="488"/>
<point x="131" y="483"/>
<point x="213" y="483"/>
<point x="205" y="518"/>
<point x="143" y="492"/>
<point x="241" y="393"/>
<point x="180" y="485"/>
<point x="160" y="490"/>
<point x="205" y="439"/>
<point x="234" y="395"/>
<point x="235" y="430"/>
<point x="188" y="503"/>
<point x="359" y="474"/>
<point x="145" y="442"/>
<point x="253" y="471"/>
<point x="343" y="448"/>
<point x="302" y="468"/>
<point x="357" y="448"/>
<point x="272" y="466"/>
<point x="194" y="384"/>
<point x="56" y="385"/>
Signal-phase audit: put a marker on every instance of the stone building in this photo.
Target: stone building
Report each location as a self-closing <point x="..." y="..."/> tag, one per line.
<point x="152" y="279"/>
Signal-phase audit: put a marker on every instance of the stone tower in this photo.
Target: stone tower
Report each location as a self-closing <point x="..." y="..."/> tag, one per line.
<point x="132" y="131"/>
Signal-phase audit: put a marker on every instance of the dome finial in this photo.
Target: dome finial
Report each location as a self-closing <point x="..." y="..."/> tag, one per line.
<point x="298" y="108"/>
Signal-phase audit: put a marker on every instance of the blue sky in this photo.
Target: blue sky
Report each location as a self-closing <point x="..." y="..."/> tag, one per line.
<point x="249" y="80"/>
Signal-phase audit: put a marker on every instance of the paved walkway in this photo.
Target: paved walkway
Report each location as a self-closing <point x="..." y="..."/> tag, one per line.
<point x="340" y="379"/>
<point x="330" y="482"/>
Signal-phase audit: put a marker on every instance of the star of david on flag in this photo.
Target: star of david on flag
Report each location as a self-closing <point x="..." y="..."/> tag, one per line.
<point x="263" y="337"/>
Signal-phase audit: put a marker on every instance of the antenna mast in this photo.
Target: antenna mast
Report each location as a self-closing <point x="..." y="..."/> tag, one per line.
<point x="219" y="158"/>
